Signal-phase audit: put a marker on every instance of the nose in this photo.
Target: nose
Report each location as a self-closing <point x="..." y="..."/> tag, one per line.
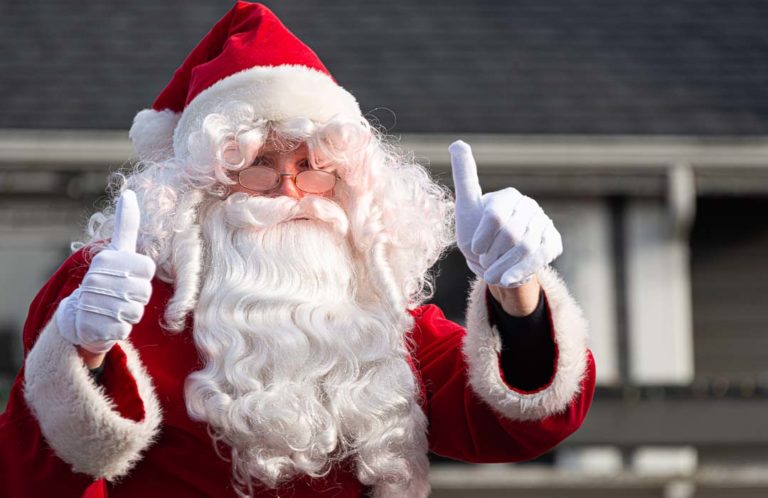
<point x="287" y="187"/>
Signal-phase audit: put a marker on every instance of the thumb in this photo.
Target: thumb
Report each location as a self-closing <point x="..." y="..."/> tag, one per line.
<point x="469" y="195"/>
<point x="466" y="183"/>
<point x="127" y="218"/>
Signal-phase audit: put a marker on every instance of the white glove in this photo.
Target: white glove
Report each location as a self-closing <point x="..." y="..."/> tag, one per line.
<point x="114" y="291"/>
<point x="505" y="236"/>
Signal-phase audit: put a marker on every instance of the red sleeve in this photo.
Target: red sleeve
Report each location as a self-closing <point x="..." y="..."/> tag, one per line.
<point x="464" y="427"/>
<point x="28" y="466"/>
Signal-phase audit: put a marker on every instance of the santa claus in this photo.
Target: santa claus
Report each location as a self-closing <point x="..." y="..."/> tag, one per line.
<point x="248" y="318"/>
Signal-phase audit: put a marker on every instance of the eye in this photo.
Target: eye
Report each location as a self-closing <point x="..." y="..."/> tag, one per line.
<point x="304" y="164"/>
<point x="260" y="161"/>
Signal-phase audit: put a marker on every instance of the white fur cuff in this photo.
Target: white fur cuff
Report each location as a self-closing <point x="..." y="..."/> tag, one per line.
<point x="482" y="345"/>
<point x="77" y="418"/>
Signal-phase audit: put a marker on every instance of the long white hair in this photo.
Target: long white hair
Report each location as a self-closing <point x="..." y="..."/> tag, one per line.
<point x="399" y="216"/>
<point x="399" y="221"/>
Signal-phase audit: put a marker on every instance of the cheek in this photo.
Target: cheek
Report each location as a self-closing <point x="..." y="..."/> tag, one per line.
<point x="237" y="188"/>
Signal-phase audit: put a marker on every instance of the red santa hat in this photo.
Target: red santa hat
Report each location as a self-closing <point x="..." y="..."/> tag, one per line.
<point x="249" y="56"/>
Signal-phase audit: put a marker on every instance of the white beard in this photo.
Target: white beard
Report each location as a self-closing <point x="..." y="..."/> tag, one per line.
<point x="301" y="371"/>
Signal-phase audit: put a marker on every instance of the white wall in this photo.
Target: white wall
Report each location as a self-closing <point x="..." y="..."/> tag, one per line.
<point x="658" y="295"/>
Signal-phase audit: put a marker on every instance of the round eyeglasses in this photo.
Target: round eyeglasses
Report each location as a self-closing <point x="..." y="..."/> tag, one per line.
<point x="264" y="179"/>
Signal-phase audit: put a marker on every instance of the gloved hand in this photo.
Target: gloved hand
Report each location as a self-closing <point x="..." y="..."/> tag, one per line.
<point x="505" y="236"/>
<point x="114" y="291"/>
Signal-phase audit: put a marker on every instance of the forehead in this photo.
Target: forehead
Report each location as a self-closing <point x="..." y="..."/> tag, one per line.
<point x="274" y="146"/>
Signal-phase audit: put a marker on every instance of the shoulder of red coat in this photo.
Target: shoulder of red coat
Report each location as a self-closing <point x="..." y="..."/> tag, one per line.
<point x="426" y="311"/>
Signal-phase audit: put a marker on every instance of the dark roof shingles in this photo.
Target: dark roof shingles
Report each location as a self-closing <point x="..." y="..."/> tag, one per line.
<point x="596" y="66"/>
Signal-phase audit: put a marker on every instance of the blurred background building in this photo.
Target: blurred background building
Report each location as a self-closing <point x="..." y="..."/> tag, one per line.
<point x="641" y="127"/>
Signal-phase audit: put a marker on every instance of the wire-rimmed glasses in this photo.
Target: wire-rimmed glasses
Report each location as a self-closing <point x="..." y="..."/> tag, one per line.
<point x="264" y="179"/>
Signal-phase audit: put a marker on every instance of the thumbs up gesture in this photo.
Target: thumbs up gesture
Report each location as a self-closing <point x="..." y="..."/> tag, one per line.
<point x="505" y="236"/>
<point x="114" y="291"/>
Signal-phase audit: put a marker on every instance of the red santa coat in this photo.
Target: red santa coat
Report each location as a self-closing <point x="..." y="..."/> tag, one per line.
<point x="63" y="435"/>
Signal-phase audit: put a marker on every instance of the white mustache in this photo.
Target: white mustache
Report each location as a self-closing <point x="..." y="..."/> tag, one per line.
<point x="246" y="211"/>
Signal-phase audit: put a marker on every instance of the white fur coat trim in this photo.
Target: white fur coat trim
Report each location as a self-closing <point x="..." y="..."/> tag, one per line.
<point x="276" y="93"/>
<point x="482" y="345"/>
<point x="76" y="417"/>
